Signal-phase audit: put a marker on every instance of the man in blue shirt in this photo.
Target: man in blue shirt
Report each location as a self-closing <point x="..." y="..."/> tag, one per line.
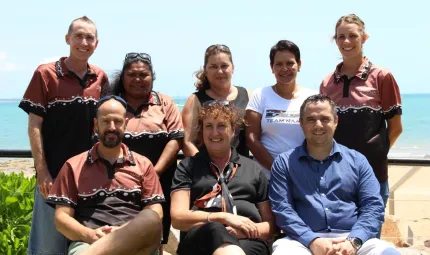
<point x="325" y="197"/>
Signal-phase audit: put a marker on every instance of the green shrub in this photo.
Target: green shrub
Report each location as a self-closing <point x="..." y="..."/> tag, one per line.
<point x="16" y="206"/>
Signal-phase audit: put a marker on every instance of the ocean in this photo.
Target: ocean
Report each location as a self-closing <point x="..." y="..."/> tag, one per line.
<point x="414" y="142"/>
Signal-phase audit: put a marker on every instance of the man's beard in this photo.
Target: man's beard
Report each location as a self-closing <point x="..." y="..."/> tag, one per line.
<point x="110" y="143"/>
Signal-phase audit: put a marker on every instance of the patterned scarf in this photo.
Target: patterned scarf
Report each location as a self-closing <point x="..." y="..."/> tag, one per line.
<point x="220" y="196"/>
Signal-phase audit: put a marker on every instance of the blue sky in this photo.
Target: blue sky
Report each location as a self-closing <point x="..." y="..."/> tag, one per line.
<point x="176" y="34"/>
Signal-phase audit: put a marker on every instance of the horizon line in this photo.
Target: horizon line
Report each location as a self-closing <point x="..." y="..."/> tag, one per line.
<point x="173" y="97"/>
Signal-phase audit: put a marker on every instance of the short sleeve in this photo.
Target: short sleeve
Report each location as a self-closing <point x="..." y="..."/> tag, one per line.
<point x="390" y="95"/>
<point x="152" y="193"/>
<point x="35" y="97"/>
<point x="182" y="178"/>
<point x="173" y="119"/>
<point x="255" y="103"/>
<point x="64" y="190"/>
<point x="263" y="187"/>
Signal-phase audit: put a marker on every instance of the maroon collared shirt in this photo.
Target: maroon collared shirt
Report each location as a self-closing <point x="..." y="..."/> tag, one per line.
<point x="67" y="105"/>
<point x="364" y="104"/>
<point x="106" y="194"/>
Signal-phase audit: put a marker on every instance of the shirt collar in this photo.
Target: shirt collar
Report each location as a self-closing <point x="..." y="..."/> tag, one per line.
<point x="154" y="99"/>
<point x="363" y="71"/>
<point x="303" y="152"/>
<point x="127" y="157"/>
<point x="62" y="70"/>
<point x="234" y="158"/>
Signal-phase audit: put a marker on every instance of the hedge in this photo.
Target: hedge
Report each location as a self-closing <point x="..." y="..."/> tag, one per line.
<point x="16" y="206"/>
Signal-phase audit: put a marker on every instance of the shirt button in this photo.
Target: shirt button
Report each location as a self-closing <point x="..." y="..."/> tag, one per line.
<point x="326" y="209"/>
<point x="322" y="194"/>
<point x="322" y="178"/>
<point x="321" y="162"/>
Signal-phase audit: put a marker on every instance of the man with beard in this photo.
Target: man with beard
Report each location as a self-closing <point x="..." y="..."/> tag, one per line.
<point x="99" y="191"/>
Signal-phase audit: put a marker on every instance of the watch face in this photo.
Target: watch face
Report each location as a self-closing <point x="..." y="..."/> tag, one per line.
<point x="356" y="242"/>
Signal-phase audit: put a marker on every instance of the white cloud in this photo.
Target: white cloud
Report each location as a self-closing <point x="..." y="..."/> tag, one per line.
<point x="5" y="64"/>
<point x="49" y="60"/>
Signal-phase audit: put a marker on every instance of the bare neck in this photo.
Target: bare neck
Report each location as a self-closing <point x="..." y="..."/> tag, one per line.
<point x="110" y="154"/>
<point x="79" y="67"/>
<point x="287" y="91"/>
<point x="319" y="152"/>
<point x="222" y="93"/>
<point x="221" y="159"/>
<point x="351" y="66"/>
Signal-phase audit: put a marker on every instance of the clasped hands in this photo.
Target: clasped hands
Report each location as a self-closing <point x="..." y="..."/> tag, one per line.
<point x="330" y="246"/>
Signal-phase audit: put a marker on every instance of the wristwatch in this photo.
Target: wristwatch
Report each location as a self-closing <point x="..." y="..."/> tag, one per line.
<point x="355" y="242"/>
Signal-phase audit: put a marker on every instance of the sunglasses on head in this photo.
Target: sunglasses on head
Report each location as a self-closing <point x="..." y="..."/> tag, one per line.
<point x="219" y="47"/>
<point x="221" y="102"/>
<point x="106" y="98"/>
<point x="142" y="56"/>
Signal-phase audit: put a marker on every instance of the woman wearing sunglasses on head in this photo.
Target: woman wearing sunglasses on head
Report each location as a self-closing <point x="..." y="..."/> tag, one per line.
<point x="154" y="129"/>
<point x="272" y="113"/>
<point x="214" y="83"/>
<point x="368" y="100"/>
<point x="220" y="198"/>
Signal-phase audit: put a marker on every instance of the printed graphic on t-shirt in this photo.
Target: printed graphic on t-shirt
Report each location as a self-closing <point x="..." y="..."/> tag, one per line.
<point x="281" y="116"/>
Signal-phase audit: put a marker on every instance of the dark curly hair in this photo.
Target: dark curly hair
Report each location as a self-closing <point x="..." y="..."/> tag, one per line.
<point x="117" y="83"/>
<point x="218" y="109"/>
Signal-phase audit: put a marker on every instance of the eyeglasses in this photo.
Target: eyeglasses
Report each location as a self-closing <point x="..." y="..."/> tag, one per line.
<point x="218" y="47"/>
<point x="142" y="56"/>
<point x="221" y="102"/>
<point x="106" y="98"/>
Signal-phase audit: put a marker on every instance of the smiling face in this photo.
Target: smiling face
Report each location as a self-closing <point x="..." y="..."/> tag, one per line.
<point x="318" y="124"/>
<point x="82" y="40"/>
<point x="110" y="123"/>
<point x="350" y="38"/>
<point x="217" y="135"/>
<point x="219" y="70"/>
<point x="137" y="80"/>
<point x="285" y="67"/>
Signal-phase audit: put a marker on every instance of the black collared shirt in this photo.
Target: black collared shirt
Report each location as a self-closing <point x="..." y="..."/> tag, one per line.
<point x="248" y="186"/>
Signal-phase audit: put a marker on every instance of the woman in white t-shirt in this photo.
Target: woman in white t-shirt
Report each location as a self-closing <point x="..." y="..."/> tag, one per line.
<point x="272" y="113"/>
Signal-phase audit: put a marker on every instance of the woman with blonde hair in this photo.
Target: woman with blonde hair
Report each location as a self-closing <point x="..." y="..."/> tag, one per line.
<point x="367" y="98"/>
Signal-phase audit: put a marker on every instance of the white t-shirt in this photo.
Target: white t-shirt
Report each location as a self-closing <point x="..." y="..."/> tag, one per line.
<point x="280" y="127"/>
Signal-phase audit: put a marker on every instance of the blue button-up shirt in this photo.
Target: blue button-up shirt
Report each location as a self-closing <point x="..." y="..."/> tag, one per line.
<point x="338" y="194"/>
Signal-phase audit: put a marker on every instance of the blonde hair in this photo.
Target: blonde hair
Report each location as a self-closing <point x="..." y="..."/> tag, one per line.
<point x="350" y="18"/>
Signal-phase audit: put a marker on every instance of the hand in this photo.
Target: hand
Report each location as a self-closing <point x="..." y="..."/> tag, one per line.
<point x="94" y="235"/>
<point x="44" y="182"/>
<point x="344" y="248"/>
<point x="236" y="233"/>
<point x="247" y="226"/>
<point x="109" y="229"/>
<point x="324" y="246"/>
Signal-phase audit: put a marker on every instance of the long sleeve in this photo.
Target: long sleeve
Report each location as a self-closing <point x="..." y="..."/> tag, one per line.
<point x="282" y="204"/>
<point x="370" y="206"/>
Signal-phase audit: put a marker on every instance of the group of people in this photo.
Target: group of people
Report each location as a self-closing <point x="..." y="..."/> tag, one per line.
<point x="108" y="181"/>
